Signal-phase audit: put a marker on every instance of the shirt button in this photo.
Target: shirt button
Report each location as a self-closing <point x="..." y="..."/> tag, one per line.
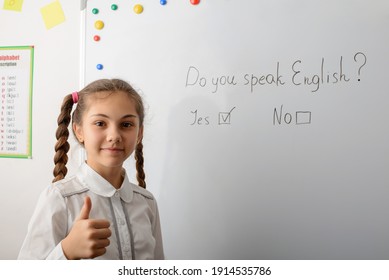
<point x="121" y="222"/>
<point x="126" y="248"/>
<point x="116" y="194"/>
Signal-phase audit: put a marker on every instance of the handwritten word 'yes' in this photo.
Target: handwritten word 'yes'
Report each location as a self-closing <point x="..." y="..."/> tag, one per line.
<point x="224" y="118"/>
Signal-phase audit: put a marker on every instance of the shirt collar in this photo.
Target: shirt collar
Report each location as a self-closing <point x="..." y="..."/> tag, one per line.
<point x="97" y="184"/>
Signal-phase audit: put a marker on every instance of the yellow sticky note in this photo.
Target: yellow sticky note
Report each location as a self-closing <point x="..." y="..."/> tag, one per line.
<point x="13" y="5"/>
<point x="52" y="14"/>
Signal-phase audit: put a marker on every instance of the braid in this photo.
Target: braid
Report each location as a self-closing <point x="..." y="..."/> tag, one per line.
<point x="62" y="134"/>
<point x="140" y="173"/>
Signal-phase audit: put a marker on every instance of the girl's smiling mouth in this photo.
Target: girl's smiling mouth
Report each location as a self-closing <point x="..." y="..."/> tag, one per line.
<point x="113" y="149"/>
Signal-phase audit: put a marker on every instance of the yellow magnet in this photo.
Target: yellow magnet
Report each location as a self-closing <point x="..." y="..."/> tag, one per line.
<point x="138" y="8"/>
<point x="99" y="24"/>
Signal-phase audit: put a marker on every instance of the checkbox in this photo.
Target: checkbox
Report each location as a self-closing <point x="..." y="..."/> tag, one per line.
<point x="225" y="117"/>
<point x="303" y="117"/>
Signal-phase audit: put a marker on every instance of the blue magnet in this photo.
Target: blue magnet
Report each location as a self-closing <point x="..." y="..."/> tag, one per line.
<point x="99" y="66"/>
<point x="163" y="2"/>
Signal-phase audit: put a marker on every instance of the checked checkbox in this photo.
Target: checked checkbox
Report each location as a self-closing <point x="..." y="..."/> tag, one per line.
<point x="225" y="117"/>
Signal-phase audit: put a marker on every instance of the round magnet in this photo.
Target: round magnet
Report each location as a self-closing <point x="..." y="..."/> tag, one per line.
<point x="138" y="9"/>
<point x="99" y="24"/>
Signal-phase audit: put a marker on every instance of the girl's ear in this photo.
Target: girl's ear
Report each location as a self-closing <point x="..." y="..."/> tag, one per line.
<point x="140" y="135"/>
<point x="78" y="132"/>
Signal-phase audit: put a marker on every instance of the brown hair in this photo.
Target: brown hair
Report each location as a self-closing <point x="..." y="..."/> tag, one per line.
<point x="62" y="134"/>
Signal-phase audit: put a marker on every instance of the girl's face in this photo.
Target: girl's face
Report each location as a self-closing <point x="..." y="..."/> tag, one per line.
<point x="110" y="131"/>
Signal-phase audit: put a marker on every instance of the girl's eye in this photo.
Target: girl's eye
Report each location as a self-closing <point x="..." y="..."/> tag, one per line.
<point x="99" y="123"/>
<point x="127" y="124"/>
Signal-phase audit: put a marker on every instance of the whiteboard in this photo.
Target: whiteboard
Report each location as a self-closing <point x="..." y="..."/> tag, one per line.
<point x="267" y="122"/>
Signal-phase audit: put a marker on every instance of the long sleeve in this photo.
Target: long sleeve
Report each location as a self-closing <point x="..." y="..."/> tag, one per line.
<point x="47" y="228"/>
<point x="158" y="252"/>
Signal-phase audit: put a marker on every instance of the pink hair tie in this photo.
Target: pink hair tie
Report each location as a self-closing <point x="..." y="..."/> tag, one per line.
<point x="75" y="97"/>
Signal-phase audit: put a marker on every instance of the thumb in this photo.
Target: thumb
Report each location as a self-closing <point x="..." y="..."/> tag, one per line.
<point x="85" y="210"/>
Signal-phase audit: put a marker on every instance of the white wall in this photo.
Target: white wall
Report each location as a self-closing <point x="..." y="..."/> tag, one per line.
<point x="56" y="73"/>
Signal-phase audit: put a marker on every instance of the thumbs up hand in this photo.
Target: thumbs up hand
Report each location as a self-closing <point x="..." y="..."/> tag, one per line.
<point x="88" y="238"/>
<point x="85" y="210"/>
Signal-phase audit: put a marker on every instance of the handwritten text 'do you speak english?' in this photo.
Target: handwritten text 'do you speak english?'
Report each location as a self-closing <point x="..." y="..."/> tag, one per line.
<point x="297" y="76"/>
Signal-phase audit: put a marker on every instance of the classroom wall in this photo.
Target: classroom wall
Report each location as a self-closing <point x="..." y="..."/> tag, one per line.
<point x="56" y="73"/>
<point x="255" y="188"/>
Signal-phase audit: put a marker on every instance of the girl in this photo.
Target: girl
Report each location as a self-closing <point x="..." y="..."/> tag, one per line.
<point x="97" y="213"/>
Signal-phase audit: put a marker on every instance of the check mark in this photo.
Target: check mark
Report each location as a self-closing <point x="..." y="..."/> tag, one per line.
<point x="225" y="117"/>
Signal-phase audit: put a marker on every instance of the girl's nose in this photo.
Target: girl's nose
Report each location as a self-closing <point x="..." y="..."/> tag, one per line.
<point x="113" y="136"/>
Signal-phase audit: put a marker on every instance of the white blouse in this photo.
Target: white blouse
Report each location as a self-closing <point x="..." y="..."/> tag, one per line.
<point x="131" y="210"/>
